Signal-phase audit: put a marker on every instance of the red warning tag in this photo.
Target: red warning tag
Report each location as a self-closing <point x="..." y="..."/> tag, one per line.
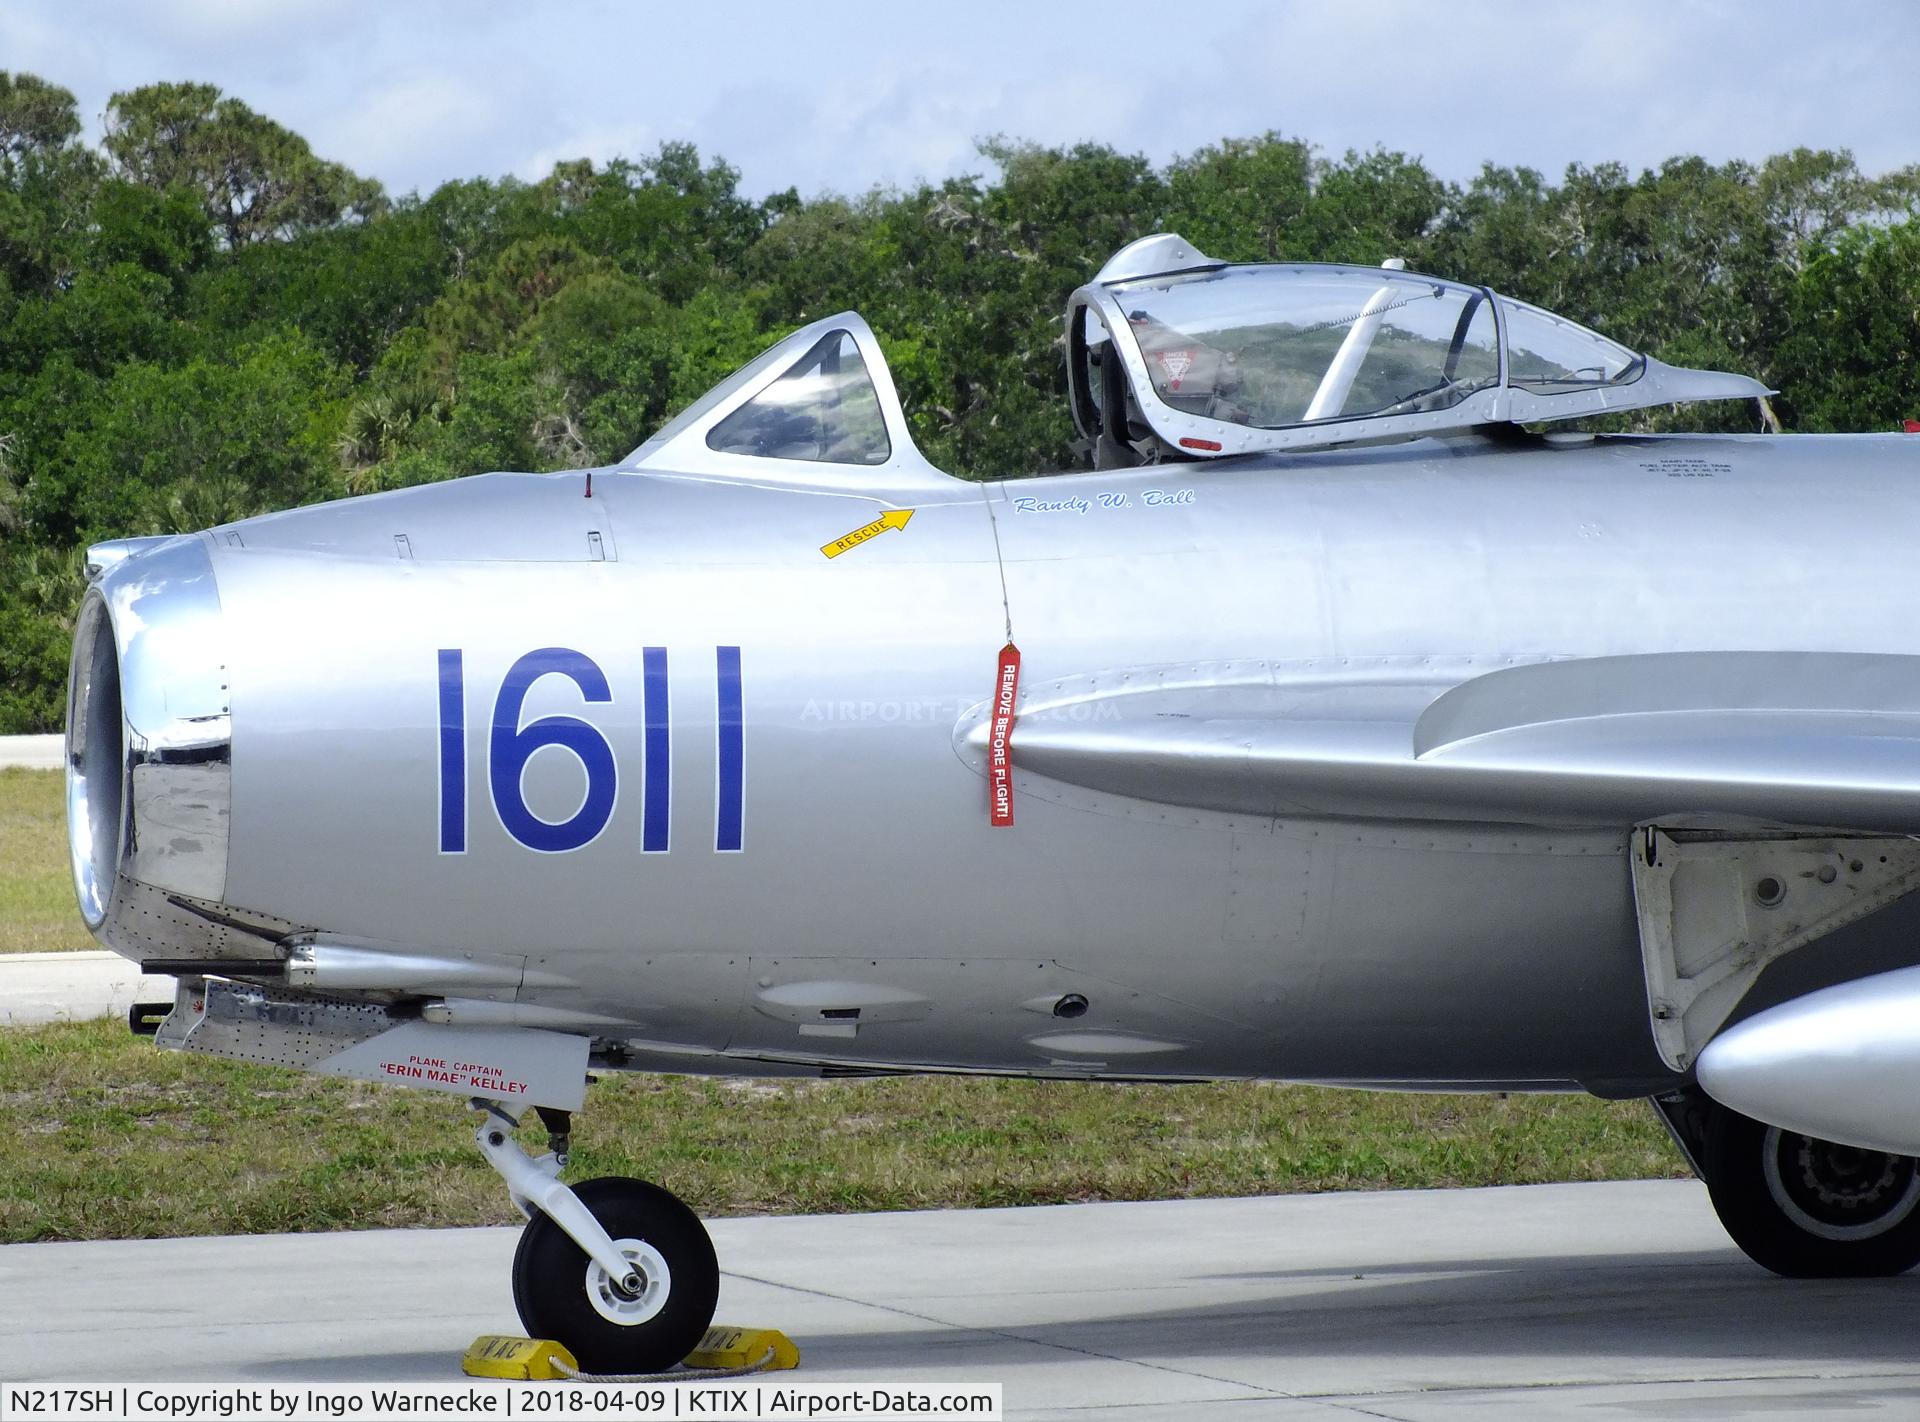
<point x="1006" y="694"/>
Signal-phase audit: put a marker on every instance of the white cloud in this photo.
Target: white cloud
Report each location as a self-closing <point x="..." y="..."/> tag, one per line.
<point x="601" y="142"/>
<point x="848" y="95"/>
<point x="391" y="123"/>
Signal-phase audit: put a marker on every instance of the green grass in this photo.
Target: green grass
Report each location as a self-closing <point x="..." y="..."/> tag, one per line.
<point x="37" y="912"/>
<point x="103" y="1136"/>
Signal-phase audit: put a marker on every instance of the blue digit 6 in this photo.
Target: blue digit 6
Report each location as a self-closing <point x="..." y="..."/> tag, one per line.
<point x="512" y="745"/>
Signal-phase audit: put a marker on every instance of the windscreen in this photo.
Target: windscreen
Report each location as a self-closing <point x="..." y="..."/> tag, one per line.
<point x="1273" y="346"/>
<point x="1548" y="354"/>
<point x="823" y="409"/>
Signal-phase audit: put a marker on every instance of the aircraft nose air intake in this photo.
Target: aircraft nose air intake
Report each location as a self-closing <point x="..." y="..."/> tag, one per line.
<point x="149" y="733"/>
<point x="96" y="752"/>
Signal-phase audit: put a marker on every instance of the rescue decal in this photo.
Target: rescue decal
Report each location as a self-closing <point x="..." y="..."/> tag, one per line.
<point x="1006" y="695"/>
<point x="510" y="745"/>
<point x="892" y="518"/>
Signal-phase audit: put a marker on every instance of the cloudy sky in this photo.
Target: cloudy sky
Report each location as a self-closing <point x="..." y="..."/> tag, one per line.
<point x="843" y="96"/>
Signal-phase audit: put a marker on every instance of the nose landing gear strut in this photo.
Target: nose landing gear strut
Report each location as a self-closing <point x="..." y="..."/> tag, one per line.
<point x="617" y="1270"/>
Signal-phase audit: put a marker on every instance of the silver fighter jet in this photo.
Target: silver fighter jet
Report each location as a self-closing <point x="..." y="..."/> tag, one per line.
<point x="1335" y="725"/>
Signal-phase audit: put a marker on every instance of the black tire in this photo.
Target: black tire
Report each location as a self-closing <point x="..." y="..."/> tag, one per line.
<point x="553" y="1281"/>
<point x="1810" y="1209"/>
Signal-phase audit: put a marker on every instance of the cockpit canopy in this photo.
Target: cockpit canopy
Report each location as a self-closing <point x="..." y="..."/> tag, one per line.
<point x="1174" y="353"/>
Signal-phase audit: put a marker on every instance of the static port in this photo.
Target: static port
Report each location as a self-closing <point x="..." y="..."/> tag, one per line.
<point x="1072" y="1005"/>
<point x="1768" y="891"/>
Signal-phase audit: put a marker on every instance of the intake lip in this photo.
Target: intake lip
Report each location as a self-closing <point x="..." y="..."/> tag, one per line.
<point x="149" y="734"/>
<point x="96" y="760"/>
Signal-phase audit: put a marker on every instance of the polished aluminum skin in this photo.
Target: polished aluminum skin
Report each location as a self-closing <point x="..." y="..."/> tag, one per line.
<point x="1332" y="757"/>
<point x="1837" y="1064"/>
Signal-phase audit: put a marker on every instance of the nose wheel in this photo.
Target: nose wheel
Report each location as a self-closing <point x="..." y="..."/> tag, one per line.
<point x="647" y="1319"/>
<point x="619" y="1271"/>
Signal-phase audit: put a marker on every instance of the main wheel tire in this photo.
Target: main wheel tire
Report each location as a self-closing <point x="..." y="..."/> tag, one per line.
<point x="563" y="1295"/>
<point x="1808" y="1208"/>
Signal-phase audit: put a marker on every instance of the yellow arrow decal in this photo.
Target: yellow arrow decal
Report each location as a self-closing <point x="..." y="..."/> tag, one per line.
<point x="893" y="518"/>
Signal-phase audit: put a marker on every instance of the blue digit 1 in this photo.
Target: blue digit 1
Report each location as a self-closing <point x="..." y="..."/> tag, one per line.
<point x="453" y="753"/>
<point x="512" y="745"/>
<point x="731" y="756"/>
<point x="656" y="751"/>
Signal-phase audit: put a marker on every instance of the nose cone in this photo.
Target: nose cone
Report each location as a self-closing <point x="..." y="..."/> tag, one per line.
<point x="1838" y="1064"/>
<point x="149" y="740"/>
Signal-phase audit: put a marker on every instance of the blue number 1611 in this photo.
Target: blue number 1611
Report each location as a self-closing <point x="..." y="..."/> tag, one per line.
<point x="510" y="745"/>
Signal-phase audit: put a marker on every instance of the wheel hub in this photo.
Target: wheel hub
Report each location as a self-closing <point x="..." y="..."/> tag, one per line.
<point x="637" y="1296"/>
<point x="1844" y="1177"/>
<point x="1839" y="1192"/>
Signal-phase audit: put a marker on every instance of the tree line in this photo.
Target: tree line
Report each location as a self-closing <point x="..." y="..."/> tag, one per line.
<point x="201" y="319"/>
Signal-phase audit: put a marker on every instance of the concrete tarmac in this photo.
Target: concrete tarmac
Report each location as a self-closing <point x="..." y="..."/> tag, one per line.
<point x="1594" y="1302"/>
<point x="32" y="752"/>
<point x="73" y="987"/>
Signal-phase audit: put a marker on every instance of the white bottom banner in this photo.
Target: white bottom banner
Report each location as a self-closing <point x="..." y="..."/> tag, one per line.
<point x="737" y="1400"/>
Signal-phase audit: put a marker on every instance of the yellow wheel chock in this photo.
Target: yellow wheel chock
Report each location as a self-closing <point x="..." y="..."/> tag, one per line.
<point x="725" y="1346"/>
<point x="500" y="1355"/>
<point x="723" y="1349"/>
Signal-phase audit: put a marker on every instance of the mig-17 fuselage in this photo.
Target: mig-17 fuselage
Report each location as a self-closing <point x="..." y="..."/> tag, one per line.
<point x="1336" y="726"/>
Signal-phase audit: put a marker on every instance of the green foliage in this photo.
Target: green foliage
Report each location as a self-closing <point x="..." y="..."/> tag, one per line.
<point x="47" y="182"/>
<point x="34" y="116"/>
<point x="256" y="179"/>
<point x="36" y="627"/>
<point x="204" y="319"/>
<point x="1852" y="338"/>
<point x="171" y="447"/>
<point x="350" y="289"/>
